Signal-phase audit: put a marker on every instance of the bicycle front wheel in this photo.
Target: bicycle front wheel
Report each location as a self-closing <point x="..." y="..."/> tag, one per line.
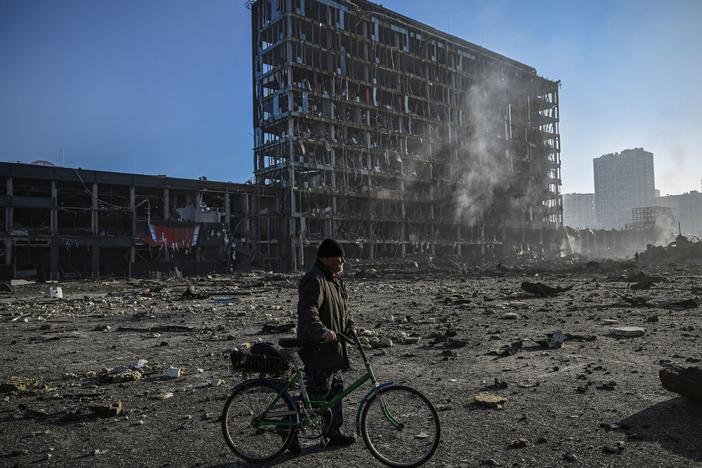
<point x="400" y="426"/>
<point x="256" y="428"/>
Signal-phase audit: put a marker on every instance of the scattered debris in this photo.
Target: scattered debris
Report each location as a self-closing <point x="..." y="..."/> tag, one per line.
<point x="553" y="340"/>
<point x="490" y="400"/>
<point x="191" y="293"/>
<point x="18" y="384"/>
<point x="518" y="443"/>
<point x="680" y="250"/>
<point x="118" y="374"/>
<point x="109" y="410"/>
<point x="609" y="385"/>
<point x="683" y="381"/>
<point x="678" y="305"/>
<point x="510" y="349"/>
<point x="619" y="448"/>
<point x="158" y="329"/>
<point x="270" y="328"/>
<point x="627" y="332"/>
<point x="140" y="364"/>
<point x="499" y="384"/>
<point x="408" y="339"/>
<point x="543" y="290"/>
<point x="641" y="277"/>
<point x="173" y="372"/>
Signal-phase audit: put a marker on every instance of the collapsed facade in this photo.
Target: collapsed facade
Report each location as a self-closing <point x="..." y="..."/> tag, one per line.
<point x="396" y="138"/>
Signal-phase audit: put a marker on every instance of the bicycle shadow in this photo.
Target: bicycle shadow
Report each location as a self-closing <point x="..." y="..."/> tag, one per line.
<point x="309" y="450"/>
<point x="676" y="424"/>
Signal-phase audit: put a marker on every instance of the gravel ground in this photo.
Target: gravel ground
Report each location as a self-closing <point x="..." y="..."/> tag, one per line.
<point x="587" y="403"/>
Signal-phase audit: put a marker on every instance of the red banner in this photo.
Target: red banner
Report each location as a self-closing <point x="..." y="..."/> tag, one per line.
<point x="172" y="237"/>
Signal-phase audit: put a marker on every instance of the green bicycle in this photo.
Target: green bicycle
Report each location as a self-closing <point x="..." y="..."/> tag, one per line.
<point x="399" y="425"/>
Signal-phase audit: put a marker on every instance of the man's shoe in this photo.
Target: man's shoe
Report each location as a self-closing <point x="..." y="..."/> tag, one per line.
<point x="295" y="446"/>
<point x="338" y="439"/>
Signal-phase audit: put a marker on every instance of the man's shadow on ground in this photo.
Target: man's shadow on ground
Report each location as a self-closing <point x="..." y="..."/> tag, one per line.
<point x="676" y="424"/>
<point x="286" y="457"/>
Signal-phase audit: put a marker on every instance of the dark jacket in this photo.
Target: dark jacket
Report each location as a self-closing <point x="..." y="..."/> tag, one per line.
<point x="322" y="305"/>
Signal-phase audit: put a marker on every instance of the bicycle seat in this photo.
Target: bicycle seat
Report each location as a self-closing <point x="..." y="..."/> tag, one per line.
<point x="290" y="342"/>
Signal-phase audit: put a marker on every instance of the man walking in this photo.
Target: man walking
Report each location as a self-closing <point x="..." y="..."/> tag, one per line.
<point x="322" y="312"/>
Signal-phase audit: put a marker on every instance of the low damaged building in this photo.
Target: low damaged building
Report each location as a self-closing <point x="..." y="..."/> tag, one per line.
<point x="59" y="222"/>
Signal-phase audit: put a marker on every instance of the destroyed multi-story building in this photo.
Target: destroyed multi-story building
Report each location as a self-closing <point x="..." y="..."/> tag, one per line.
<point x="623" y="181"/>
<point x="397" y="138"/>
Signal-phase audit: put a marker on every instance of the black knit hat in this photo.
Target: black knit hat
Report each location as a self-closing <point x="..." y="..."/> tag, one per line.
<point x="330" y="248"/>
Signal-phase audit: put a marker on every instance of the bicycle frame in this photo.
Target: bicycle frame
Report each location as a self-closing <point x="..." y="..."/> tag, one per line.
<point x="318" y="407"/>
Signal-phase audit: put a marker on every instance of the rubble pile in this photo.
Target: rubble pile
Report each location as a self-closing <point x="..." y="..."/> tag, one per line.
<point x="681" y="250"/>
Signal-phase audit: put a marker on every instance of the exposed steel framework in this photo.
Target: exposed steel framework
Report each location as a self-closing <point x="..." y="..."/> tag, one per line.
<point x="397" y="138"/>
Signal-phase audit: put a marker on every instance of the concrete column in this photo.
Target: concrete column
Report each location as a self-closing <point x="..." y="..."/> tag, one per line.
<point x="248" y="214"/>
<point x="53" y="261"/>
<point x="95" y="261"/>
<point x="8" y="251"/>
<point x="167" y="214"/>
<point x="167" y="203"/>
<point x="458" y="239"/>
<point x="132" y="258"/>
<point x="9" y="223"/>
<point x="291" y="180"/>
<point x="132" y="249"/>
<point x="333" y="223"/>
<point x="227" y="209"/>
<point x="9" y="210"/>
<point x="94" y="211"/>
<point x="54" y="208"/>
<point x="132" y="207"/>
<point x="403" y="240"/>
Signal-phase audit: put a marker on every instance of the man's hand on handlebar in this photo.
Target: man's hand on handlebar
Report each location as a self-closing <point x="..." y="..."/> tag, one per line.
<point x="328" y="336"/>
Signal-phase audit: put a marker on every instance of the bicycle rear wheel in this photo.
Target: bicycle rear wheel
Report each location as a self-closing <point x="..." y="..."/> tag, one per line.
<point x="400" y="426"/>
<point x="252" y="435"/>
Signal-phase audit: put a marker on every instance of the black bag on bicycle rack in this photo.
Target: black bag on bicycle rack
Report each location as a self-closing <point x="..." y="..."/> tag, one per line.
<point x="263" y="358"/>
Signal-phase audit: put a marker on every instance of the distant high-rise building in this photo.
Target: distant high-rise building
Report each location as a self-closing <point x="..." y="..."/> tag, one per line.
<point x="579" y="210"/>
<point x="623" y="181"/>
<point x="687" y="211"/>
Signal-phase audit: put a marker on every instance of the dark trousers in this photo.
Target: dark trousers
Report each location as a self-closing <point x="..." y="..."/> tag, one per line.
<point x="324" y="385"/>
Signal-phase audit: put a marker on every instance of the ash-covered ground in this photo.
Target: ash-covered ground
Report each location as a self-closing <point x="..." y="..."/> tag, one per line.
<point x="592" y="400"/>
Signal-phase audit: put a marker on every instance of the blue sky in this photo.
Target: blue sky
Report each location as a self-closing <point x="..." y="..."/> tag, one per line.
<point x="164" y="86"/>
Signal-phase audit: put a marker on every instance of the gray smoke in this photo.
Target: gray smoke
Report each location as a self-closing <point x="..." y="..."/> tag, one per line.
<point x="481" y="168"/>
